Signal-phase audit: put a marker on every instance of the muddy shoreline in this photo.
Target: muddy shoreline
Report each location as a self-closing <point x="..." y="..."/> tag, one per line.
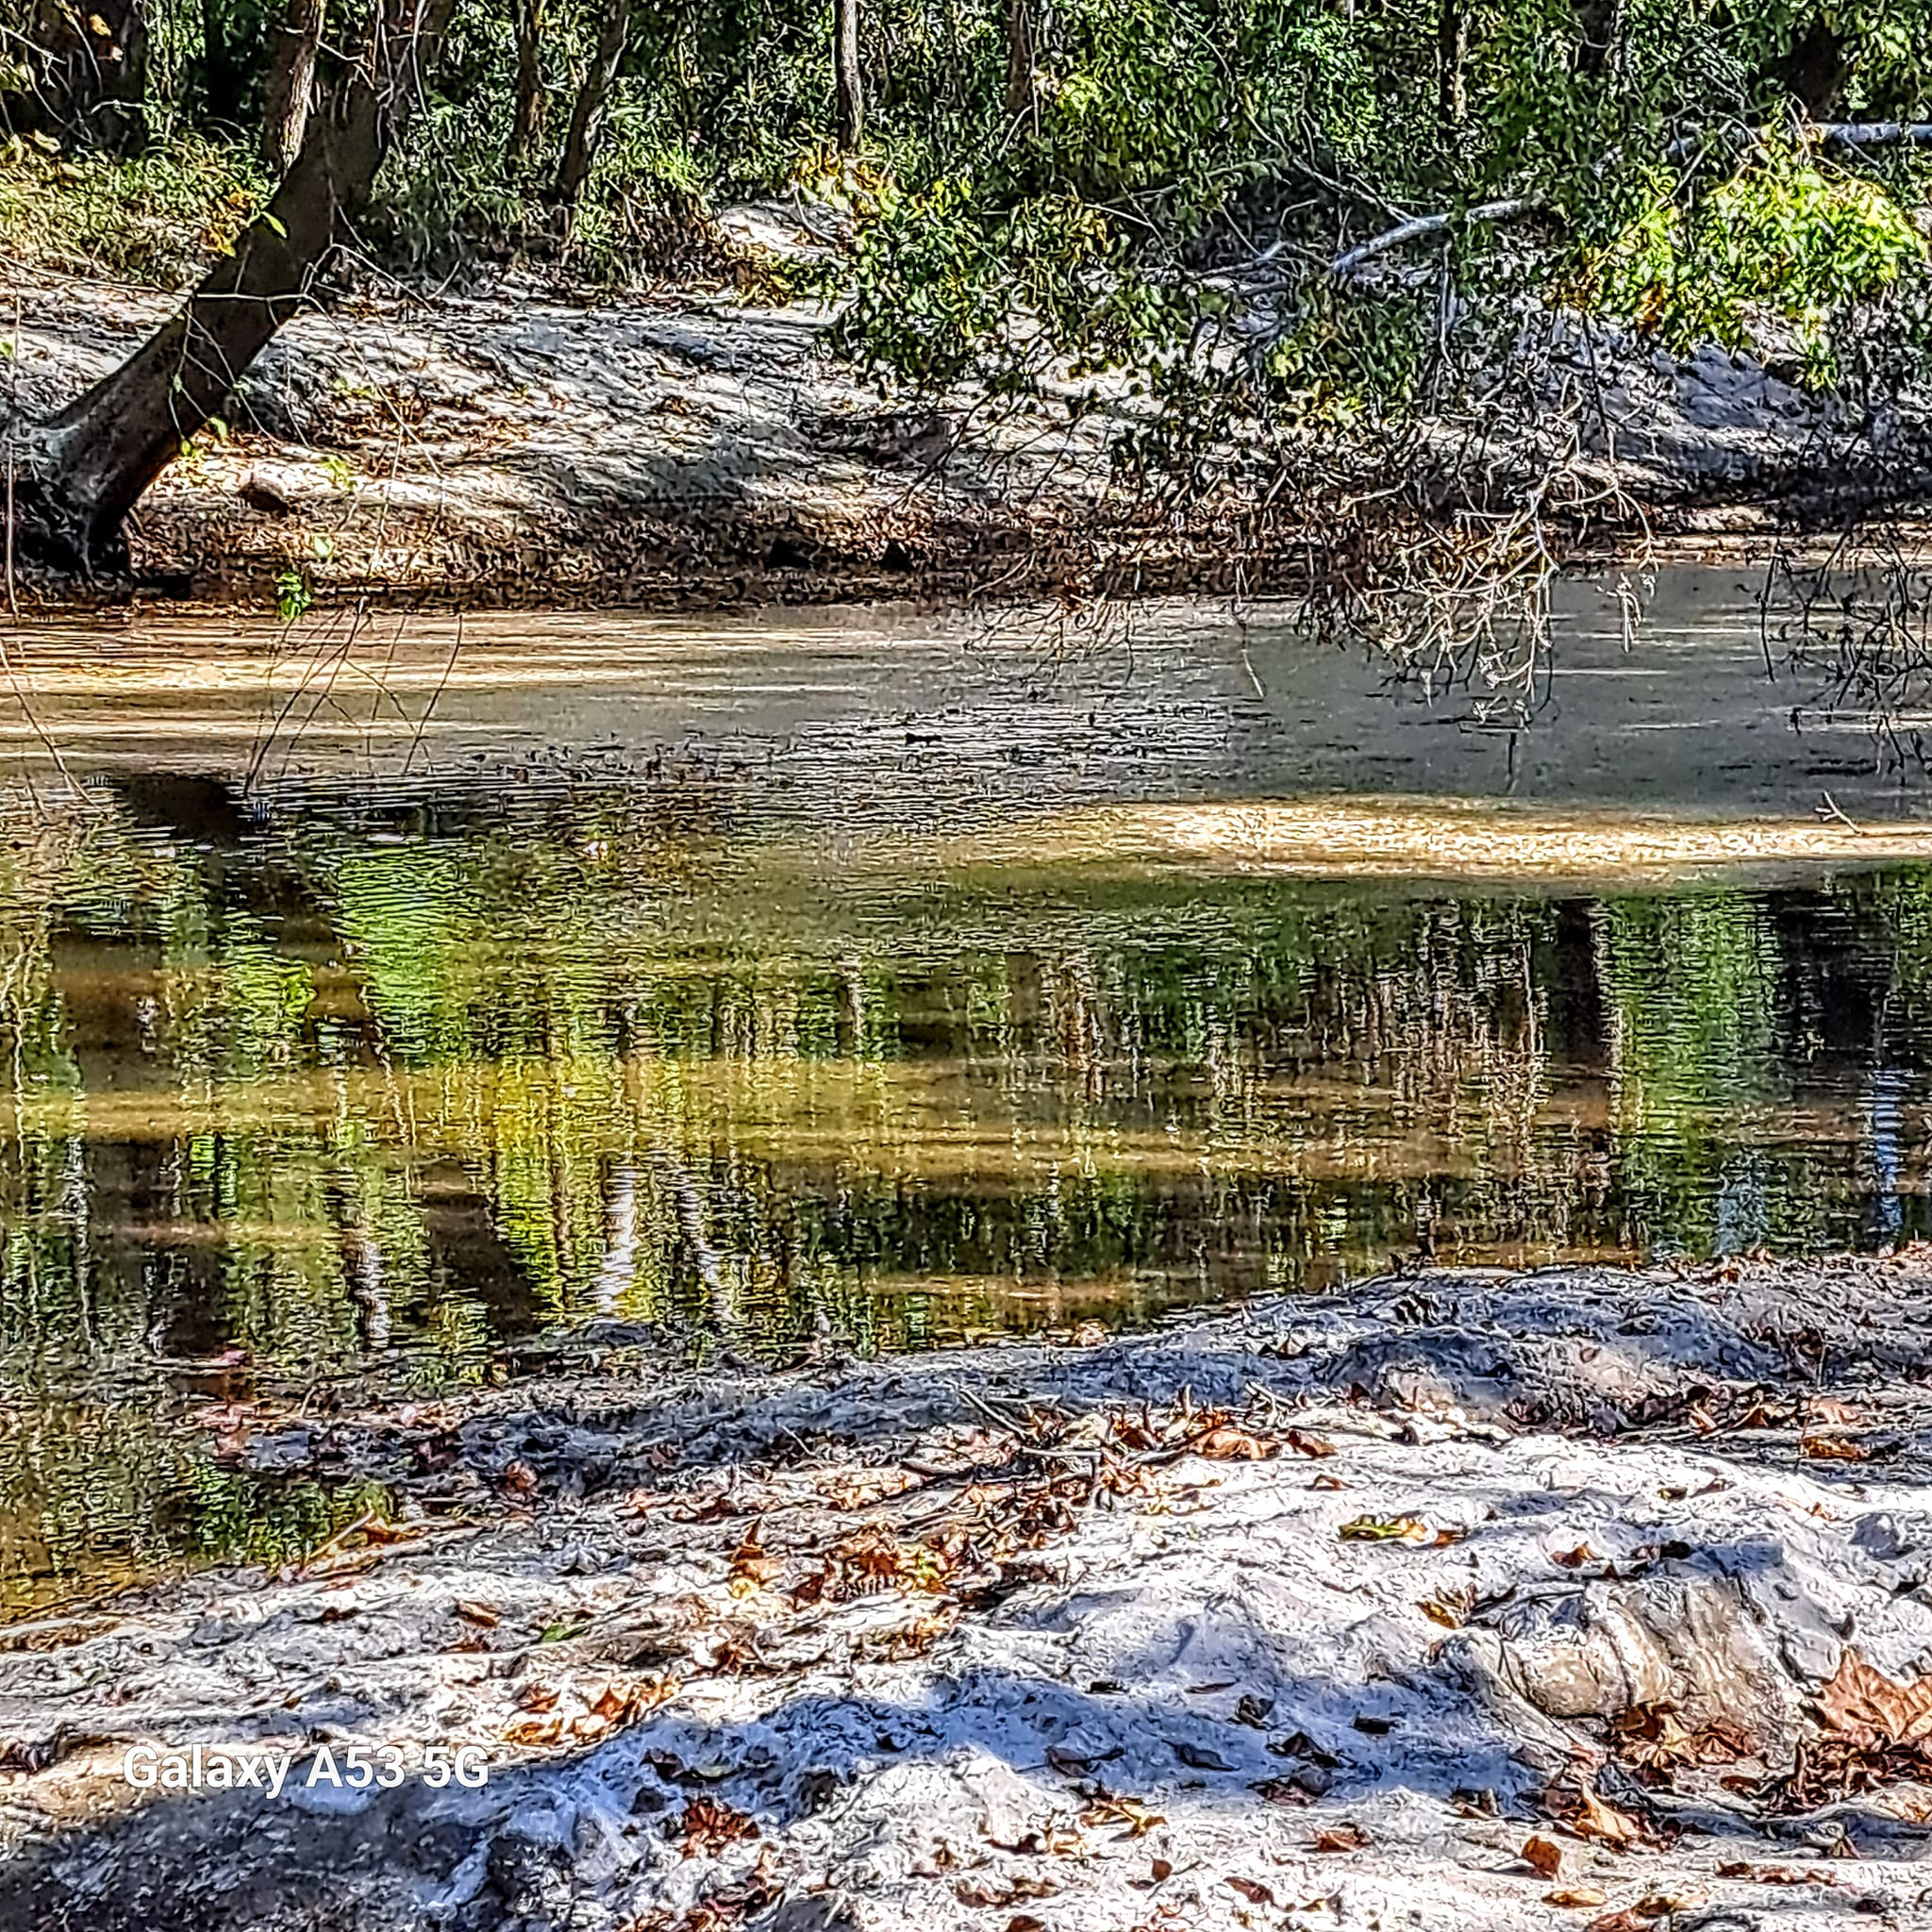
<point x="1583" y="1597"/>
<point x="683" y="451"/>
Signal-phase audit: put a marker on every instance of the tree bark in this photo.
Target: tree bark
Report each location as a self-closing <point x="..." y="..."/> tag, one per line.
<point x="288" y="87"/>
<point x="72" y="479"/>
<point x="1020" y="56"/>
<point x="89" y="68"/>
<point x="848" y="81"/>
<point x="1452" y="59"/>
<point x="526" y="122"/>
<point x="593" y="104"/>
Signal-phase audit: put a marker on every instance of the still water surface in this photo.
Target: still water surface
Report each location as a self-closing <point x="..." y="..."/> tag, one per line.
<point x="373" y="1004"/>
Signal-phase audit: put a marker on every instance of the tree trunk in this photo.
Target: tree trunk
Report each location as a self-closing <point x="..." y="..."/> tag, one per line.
<point x="1020" y="60"/>
<point x="849" y="81"/>
<point x="221" y="75"/>
<point x="73" y="480"/>
<point x="593" y="100"/>
<point x="89" y="68"/>
<point x="1452" y="59"/>
<point x="289" y="84"/>
<point x="526" y="123"/>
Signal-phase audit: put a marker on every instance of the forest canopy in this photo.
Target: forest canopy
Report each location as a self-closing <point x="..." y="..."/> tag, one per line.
<point x="1276" y="213"/>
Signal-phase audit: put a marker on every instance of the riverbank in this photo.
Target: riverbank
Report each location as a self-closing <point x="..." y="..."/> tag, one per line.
<point x="692" y="449"/>
<point x="1587" y="1597"/>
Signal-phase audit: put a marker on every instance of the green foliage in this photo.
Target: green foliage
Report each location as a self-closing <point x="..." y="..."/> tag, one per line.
<point x="157" y="218"/>
<point x="1098" y="222"/>
<point x="1787" y="238"/>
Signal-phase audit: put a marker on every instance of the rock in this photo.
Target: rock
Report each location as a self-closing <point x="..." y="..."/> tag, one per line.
<point x="1685" y="1642"/>
<point x="531" y="1875"/>
<point x="1576" y="1657"/>
<point x="814" y="1911"/>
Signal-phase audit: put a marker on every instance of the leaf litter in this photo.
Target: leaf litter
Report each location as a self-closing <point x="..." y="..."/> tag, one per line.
<point x="939" y="1642"/>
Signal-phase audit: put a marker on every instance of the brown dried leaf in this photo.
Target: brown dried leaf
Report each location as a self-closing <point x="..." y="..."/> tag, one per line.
<point x="1230" y="1443"/>
<point x="1544" y="1859"/>
<point x="1346" y="1837"/>
<point x="1577" y="1808"/>
<point x="1827" y="1411"/>
<point x="709" y="1824"/>
<point x="519" y="1479"/>
<point x="479" y="1614"/>
<point x="535" y="1696"/>
<point x="1772" y="1874"/>
<point x="1866" y="1706"/>
<point x="534" y="1731"/>
<point x="1577" y="1897"/>
<point x="1303" y="1444"/>
<point x="1576" y="1559"/>
<point x="1252" y="1889"/>
<point x="1834" y="1449"/>
<point x="1130" y="1812"/>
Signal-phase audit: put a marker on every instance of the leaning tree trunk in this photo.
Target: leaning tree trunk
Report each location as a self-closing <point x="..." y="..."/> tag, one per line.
<point x="89" y="66"/>
<point x="72" y="479"/>
<point x="526" y="122"/>
<point x="593" y="104"/>
<point x="848" y="81"/>
<point x="288" y="87"/>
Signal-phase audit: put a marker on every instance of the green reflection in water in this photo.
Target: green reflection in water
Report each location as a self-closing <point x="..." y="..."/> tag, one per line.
<point x="299" y="1103"/>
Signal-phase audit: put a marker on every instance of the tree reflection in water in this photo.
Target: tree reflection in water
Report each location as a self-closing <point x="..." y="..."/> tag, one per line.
<point x="293" y="1101"/>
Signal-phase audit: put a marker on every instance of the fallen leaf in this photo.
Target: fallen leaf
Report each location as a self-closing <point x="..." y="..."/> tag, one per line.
<point x="1576" y="1559"/>
<point x="1577" y="1807"/>
<point x="1541" y="1857"/>
<point x="1866" y="1706"/>
<point x="1826" y="1410"/>
<point x="1772" y="1874"/>
<point x="1386" y="1530"/>
<point x="1346" y="1837"/>
<point x="1161" y="1871"/>
<point x="534" y="1731"/>
<point x="1303" y="1444"/>
<point x="1232" y="1443"/>
<point x="1834" y="1449"/>
<point x="479" y="1614"/>
<point x="709" y="1824"/>
<point x="519" y="1479"/>
<point x="1625" y="1921"/>
<point x="1299" y="1745"/>
<point x="751" y="1568"/>
<point x="537" y="1697"/>
<point x="1577" y="1897"/>
<point x="1130" y="1812"/>
<point x="1252" y="1889"/>
<point x="1325" y="1481"/>
<point x="1437" y="1612"/>
<point x="1002" y="1892"/>
<point x="1283" y="1790"/>
<point x="1254" y="1711"/>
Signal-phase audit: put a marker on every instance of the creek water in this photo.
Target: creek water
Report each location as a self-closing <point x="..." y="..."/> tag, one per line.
<point x="388" y="999"/>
